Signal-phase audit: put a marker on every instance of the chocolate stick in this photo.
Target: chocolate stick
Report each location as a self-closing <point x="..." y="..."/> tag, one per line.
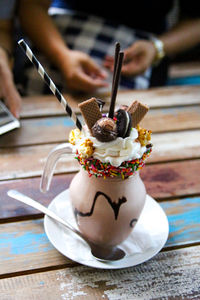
<point x="117" y="50"/>
<point x="116" y="83"/>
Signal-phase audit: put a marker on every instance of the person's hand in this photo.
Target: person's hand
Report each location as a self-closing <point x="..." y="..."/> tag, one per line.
<point x="137" y="58"/>
<point x="81" y="72"/>
<point x="8" y="90"/>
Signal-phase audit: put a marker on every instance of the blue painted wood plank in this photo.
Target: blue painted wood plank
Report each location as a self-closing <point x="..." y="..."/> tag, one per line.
<point x="184" y="221"/>
<point x="187" y="80"/>
<point x="51" y="122"/>
<point x="27" y="238"/>
<point x="23" y="239"/>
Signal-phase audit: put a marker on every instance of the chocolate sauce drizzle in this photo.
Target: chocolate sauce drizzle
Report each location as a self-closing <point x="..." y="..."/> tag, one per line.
<point x="115" y="206"/>
<point x="133" y="221"/>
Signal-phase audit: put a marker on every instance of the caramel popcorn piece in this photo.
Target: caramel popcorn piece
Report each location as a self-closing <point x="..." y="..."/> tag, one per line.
<point x="86" y="149"/>
<point x="144" y="136"/>
<point x="74" y="135"/>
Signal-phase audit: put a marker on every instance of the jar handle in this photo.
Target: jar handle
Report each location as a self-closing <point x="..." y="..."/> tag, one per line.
<point x="50" y="165"/>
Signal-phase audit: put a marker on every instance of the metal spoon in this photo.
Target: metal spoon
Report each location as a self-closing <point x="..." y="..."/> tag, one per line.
<point x="99" y="252"/>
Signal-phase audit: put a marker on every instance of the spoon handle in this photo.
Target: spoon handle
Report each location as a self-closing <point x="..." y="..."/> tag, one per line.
<point x="27" y="200"/>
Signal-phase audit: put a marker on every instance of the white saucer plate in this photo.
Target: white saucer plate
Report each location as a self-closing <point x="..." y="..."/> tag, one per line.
<point x="146" y="240"/>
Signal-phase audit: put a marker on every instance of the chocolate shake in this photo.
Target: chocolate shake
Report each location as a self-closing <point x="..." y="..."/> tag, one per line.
<point x="108" y="194"/>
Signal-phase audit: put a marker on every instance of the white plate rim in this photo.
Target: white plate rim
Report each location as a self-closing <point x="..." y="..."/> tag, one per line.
<point x="123" y="263"/>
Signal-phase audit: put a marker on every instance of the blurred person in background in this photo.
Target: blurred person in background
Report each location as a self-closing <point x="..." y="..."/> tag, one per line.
<point x="75" y="40"/>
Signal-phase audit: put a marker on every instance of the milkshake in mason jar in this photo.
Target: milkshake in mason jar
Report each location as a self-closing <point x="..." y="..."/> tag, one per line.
<point x="108" y="194"/>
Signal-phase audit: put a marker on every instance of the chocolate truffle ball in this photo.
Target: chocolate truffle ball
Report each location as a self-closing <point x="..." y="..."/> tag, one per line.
<point x="105" y="130"/>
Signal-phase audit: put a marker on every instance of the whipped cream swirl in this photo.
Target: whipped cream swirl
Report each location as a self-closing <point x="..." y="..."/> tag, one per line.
<point x="114" y="152"/>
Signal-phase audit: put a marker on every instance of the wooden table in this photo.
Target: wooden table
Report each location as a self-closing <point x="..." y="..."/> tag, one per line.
<point x="31" y="268"/>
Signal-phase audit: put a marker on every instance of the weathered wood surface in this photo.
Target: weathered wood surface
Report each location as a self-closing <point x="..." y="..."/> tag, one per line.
<point x="10" y="208"/>
<point x="171" y="180"/>
<point x="163" y="97"/>
<point x="171" y="176"/>
<point x="175" y="146"/>
<point x="33" y="106"/>
<point x="172" y="119"/>
<point x="28" y="161"/>
<point x="155" y="97"/>
<point x="56" y="129"/>
<point x="183" y="69"/>
<point x="26" y="242"/>
<point x="39" y="131"/>
<point x="170" y="275"/>
<point x="184" y="221"/>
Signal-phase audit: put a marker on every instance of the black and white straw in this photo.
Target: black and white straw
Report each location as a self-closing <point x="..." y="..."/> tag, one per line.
<point x="49" y="82"/>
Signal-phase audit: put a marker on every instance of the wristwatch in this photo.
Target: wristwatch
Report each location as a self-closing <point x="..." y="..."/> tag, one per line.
<point x="160" y="53"/>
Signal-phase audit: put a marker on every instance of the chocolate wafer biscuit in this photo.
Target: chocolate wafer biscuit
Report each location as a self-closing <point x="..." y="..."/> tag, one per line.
<point x="90" y="111"/>
<point x="137" y="111"/>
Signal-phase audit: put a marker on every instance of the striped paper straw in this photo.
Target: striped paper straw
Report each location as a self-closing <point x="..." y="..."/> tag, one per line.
<point x="49" y="82"/>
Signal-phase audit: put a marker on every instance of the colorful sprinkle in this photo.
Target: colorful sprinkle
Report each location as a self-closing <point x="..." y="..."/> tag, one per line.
<point x="99" y="169"/>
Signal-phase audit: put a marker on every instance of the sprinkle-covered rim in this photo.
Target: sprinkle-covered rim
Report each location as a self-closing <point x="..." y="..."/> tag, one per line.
<point x="99" y="169"/>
